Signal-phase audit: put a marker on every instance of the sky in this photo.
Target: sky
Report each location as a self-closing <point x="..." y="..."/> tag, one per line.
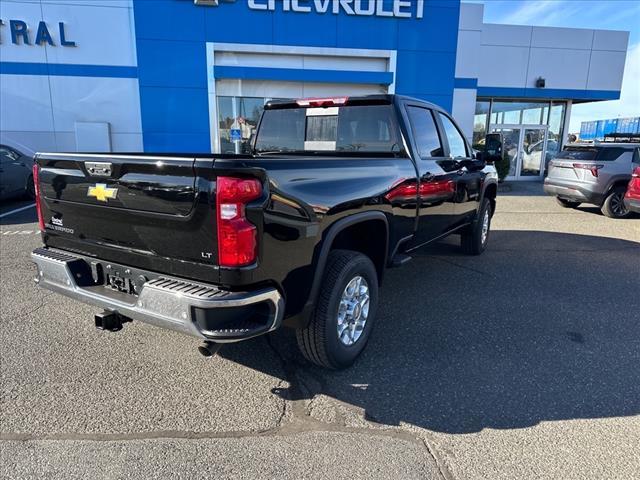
<point x="596" y="14"/>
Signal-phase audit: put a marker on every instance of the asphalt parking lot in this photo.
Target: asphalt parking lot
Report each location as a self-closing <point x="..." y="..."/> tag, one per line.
<point x="520" y="363"/>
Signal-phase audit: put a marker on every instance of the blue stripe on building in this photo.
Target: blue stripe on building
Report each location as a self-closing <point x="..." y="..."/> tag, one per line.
<point x="67" y="70"/>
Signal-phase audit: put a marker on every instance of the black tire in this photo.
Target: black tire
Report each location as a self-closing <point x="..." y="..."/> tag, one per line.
<point x="613" y="206"/>
<point x="319" y="341"/>
<point x="30" y="189"/>
<point x="567" y="203"/>
<point x="472" y="240"/>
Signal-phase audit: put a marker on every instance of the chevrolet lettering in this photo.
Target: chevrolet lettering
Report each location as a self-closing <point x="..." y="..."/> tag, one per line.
<point x="379" y="8"/>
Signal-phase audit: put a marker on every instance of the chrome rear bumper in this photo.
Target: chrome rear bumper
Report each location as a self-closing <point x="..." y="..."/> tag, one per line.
<point x="196" y="309"/>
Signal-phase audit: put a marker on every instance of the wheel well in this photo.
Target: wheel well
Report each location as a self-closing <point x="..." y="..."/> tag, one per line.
<point x="368" y="237"/>
<point x="617" y="183"/>
<point x="491" y="193"/>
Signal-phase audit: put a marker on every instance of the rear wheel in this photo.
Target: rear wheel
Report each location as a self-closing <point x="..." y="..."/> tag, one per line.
<point x="567" y="203"/>
<point x="343" y="317"/>
<point x="474" y="241"/>
<point x="613" y="206"/>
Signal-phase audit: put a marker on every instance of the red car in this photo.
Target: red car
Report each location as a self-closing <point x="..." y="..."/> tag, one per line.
<point x="632" y="197"/>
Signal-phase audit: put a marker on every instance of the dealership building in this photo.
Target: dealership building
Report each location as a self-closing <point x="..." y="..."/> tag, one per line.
<point x="192" y="76"/>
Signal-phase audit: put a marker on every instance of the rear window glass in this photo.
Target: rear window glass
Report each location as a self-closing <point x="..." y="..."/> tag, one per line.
<point x="362" y="128"/>
<point x="606" y="154"/>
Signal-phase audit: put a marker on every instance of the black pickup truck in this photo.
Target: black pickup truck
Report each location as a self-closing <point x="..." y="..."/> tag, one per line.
<point x="298" y="233"/>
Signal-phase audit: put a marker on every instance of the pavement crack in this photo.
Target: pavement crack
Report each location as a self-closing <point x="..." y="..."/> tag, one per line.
<point x="439" y="460"/>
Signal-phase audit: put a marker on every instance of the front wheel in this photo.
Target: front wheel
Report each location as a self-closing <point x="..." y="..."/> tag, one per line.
<point x="475" y="239"/>
<point x="345" y="312"/>
<point x="613" y="206"/>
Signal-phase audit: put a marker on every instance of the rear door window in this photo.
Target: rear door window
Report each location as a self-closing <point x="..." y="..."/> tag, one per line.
<point x="425" y="132"/>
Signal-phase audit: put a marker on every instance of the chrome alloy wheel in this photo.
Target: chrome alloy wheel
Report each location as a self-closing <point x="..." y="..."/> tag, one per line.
<point x="353" y="310"/>
<point x="617" y="205"/>
<point x="485" y="227"/>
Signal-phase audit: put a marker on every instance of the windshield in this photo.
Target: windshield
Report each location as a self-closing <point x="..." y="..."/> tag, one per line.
<point x="358" y="128"/>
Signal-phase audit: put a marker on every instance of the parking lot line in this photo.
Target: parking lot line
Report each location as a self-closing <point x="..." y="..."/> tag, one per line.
<point x="17" y="210"/>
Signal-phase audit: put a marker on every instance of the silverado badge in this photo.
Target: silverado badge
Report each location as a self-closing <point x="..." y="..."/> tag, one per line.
<point x="102" y="192"/>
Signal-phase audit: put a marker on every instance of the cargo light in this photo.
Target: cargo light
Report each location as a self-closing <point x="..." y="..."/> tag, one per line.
<point x="322" y="102"/>
<point x="589" y="166"/>
<point x="36" y="190"/>
<point x="237" y="237"/>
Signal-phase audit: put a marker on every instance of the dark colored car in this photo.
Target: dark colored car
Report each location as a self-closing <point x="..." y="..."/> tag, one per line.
<point x="632" y="197"/>
<point x="226" y="247"/>
<point x="16" y="178"/>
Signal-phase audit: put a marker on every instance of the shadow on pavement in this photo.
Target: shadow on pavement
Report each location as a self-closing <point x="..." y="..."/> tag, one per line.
<point x="542" y="327"/>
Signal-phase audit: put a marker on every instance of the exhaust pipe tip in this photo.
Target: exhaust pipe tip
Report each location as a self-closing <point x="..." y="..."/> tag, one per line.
<point x="209" y="349"/>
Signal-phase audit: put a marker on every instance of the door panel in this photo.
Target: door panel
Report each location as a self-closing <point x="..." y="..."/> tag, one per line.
<point x="13" y="173"/>
<point x="467" y="182"/>
<point x="437" y="176"/>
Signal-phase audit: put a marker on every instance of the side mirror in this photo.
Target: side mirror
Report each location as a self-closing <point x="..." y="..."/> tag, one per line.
<point x="493" y="147"/>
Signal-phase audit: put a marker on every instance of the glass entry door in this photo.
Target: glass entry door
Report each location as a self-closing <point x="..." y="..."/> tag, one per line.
<point x="525" y="147"/>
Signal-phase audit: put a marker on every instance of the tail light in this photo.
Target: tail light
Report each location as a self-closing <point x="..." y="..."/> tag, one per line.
<point x="237" y="242"/>
<point x="36" y="190"/>
<point x="589" y="166"/>
<point x="633" y="190"/>
<point x="322" y="102"/>
<point x="427" y="191"/>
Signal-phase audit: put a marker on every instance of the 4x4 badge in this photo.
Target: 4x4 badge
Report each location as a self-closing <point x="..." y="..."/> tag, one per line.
<point x="101" y="192"/>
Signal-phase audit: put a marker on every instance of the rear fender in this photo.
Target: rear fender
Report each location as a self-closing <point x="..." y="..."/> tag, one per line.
<point x="302" y="319"/>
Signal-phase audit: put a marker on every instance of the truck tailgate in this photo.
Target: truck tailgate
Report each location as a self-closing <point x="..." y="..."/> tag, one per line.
<point x="134" y="209"/>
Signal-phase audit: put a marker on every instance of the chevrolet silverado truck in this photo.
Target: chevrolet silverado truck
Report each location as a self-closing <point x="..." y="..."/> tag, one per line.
<point x="298" y="233"/>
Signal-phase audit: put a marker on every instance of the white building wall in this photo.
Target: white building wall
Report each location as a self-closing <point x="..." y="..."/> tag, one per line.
<point x="468" y="61"/>
<point x="40" y="111"/>
<point x="567" y="58"/>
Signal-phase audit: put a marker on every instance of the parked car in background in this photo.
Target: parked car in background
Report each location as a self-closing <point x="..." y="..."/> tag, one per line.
<point x="595" y="173"/>
<point x="16" y="178"/>
<point x="632" y="197"/>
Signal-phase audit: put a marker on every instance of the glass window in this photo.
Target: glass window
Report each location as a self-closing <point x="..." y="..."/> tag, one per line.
<point x="556" y="123"/>
<point x="512" y="112"/>
<point x="237" y="121"/>
<point x="425" y="132"/>
<point x="578" y="153"/>
<point x="457" y="145"/>
<point x="636" y="155"/>
<point x="363" y="128"/>
<point x="480" y="121"/>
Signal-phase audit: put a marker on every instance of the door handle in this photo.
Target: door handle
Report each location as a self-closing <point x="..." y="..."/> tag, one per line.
<point x="461" y="172"/>
<point x="427" y="177"/>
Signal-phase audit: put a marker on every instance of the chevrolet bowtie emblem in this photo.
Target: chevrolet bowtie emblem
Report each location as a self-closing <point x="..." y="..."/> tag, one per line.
<point x="101" y="192"/>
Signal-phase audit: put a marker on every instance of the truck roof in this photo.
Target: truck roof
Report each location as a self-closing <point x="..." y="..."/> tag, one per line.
<point x="379" y="99"/>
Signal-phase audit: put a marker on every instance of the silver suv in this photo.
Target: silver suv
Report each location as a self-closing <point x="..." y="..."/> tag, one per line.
<point x="593" y="173"/>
